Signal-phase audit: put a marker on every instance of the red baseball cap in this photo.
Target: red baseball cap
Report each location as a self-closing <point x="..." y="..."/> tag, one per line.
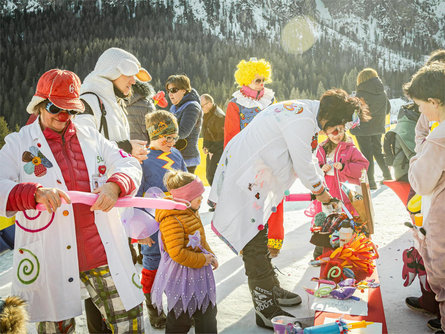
<point x="61" y="87"/>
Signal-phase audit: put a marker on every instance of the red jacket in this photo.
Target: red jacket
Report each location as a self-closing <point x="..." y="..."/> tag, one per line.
<point x="231" y="122"/>
<point x="69" y="157"/>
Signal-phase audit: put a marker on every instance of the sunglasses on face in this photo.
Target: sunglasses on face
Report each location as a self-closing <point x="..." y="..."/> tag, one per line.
<point x="335" y="132"/>
<point x="53" y="109"/>
<point x="173" y="90"/>
<point x="171" y="139"/>
<point x="259" y="81"/>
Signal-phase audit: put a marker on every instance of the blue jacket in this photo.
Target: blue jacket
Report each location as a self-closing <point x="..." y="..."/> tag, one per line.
<point x="189" y="115"/>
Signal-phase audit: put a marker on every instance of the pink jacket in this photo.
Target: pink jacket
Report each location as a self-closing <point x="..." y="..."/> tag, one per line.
<point x="427" y="178"/>
<point x="353" y="163"/>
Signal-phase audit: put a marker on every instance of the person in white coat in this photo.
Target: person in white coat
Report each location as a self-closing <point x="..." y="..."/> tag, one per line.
<point x="256" y="170"/>
<point x="58" y="249"/>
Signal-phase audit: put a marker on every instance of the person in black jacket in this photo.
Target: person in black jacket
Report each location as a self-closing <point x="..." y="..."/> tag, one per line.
<point x="213" y="134"/>
<point x="369" y="134"/>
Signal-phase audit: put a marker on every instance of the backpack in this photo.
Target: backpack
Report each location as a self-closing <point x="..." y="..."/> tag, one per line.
<point x="395" y="156"/>
<point x="89" y="111"/>
<point x="398" y="143"/>
<point x="389" y="143"/>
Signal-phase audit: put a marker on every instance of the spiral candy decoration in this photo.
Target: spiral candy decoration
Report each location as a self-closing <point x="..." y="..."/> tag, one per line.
<point x="27" y="270"/>
<point x="334" y="272"/>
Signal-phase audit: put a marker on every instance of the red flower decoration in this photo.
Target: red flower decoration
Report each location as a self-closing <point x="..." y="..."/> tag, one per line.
<point x="160" y="99"/>
<point x="314" y="142"/>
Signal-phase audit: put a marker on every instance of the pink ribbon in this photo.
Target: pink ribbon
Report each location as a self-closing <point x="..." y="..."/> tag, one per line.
<point x="298" y="198"/>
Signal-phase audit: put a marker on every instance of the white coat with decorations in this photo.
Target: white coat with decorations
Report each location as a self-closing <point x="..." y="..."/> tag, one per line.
<point x="260" y="164"/>
<point x="45" y="264"/>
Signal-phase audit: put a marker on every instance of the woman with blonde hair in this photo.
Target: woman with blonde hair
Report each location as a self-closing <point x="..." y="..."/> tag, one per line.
<point x="369" y="134"/>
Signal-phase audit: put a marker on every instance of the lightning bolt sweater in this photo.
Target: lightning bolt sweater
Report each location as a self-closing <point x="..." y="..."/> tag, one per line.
<point x="157" y="164"/>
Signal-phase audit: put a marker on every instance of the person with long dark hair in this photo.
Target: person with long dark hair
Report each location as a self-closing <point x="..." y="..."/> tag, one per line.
<point x="257" y="168"/>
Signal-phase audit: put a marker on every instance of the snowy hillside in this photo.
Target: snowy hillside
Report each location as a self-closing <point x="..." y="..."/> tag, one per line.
<point x="383" y="31"/>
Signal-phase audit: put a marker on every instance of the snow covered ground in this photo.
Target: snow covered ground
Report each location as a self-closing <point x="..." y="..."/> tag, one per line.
<point x="235" y="311"/>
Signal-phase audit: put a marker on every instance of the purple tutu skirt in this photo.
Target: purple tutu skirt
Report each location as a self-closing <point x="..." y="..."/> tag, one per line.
<point x="187" y="289"/>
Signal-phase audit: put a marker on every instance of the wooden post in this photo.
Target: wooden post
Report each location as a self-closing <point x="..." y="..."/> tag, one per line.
<point x="369" y="210"/>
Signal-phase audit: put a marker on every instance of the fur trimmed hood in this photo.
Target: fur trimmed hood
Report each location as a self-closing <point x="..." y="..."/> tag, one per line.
<point x="13" y="315"/>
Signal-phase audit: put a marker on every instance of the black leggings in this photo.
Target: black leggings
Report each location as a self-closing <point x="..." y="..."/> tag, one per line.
<point x="204" y="322"/>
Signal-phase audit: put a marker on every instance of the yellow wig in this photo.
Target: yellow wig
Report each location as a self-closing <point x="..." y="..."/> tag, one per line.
<point x="246" y="71"/>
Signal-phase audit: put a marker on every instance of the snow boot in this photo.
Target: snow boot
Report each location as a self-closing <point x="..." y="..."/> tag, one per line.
<point x="284" y="297"/>
<point x="264" y="302"/>
<point x="434" y="324"/>
<point x="157" y="320"/>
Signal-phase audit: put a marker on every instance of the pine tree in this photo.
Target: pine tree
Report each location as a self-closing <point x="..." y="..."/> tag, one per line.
<point x="4" y="131"/>
<point x="320" y="89"/>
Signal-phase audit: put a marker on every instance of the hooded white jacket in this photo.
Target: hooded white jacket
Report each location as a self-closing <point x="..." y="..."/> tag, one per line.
<point x="112" y="63"/>
<point x="118" y="127"/>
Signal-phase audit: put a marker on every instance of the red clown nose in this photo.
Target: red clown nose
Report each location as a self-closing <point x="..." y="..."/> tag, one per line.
<point x="63" y="116"/>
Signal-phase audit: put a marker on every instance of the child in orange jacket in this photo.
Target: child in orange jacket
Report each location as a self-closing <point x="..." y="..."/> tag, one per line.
<point x="185" y="272"/>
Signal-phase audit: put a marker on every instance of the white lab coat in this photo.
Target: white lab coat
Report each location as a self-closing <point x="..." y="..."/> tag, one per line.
<point x="45" y="265"/>
<point x="259" y="164"/>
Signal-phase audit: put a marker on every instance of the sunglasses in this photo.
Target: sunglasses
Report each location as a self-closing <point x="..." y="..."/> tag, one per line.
<point x="259" y="81"/>
<point x="53" y="109"/>
<point x="170" y="139"/>
<point x="173" y="90"/>
<point x="336" y="132"/>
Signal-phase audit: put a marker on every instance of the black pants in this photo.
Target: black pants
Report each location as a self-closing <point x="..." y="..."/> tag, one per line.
<point x="256" y="258"/>
<point x="211" y="164"/>
<point x="191" y="169"/>
<point x="95" y="322"/>
<point x="371" y="147"/>
<point x="204" y="322"/>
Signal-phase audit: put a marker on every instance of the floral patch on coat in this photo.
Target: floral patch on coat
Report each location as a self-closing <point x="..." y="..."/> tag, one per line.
<point x="314" y="142"/>
<point x="36" y="162"/>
